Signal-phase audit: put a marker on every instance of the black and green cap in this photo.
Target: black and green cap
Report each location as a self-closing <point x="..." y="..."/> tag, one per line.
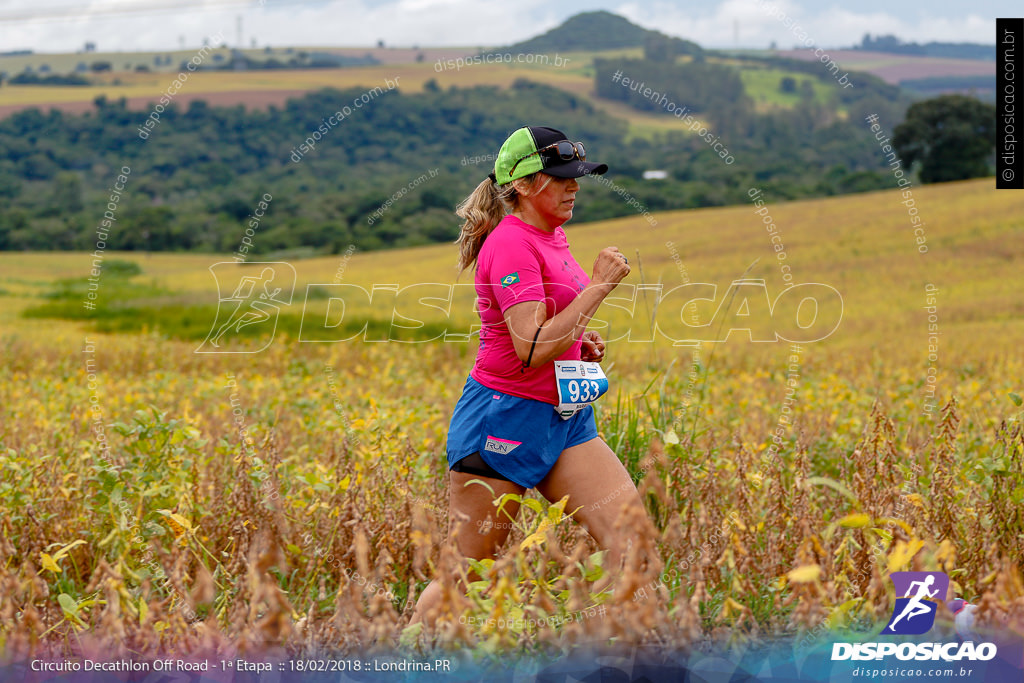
<point x="523" y="145"/>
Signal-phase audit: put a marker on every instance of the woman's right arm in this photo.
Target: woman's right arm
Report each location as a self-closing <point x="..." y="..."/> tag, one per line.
<point x="558" y="333"/>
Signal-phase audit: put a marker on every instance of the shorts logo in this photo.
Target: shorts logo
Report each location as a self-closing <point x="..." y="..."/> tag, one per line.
<point x="502" y="446"/>
<point x="917" y="598"/>
<point x="510" y="279"/>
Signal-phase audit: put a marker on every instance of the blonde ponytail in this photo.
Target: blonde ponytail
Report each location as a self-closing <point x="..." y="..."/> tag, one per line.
<point x="483" y="209"/>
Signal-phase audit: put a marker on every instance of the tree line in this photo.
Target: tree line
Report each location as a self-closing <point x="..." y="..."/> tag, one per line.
<point x="196" y="182"/>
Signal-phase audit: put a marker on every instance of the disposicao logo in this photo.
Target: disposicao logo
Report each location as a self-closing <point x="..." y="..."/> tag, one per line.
<point x="254" y="302"/>
<point x="917" y="597"/>
<point x="914" y="613"/>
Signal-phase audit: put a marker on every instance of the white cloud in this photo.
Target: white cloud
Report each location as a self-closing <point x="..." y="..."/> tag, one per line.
<point x="969" y="28"/>
<point x="713" y="26"/>
<point x="757" y="26"/>
<point x="429" y="22"/>
<point x="283" y="22"/>
<point x="468" y="22"/>
<point x="159" y="28"/>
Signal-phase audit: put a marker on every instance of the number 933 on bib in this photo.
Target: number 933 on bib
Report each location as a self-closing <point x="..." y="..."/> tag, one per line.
<point x="579" y="384"/>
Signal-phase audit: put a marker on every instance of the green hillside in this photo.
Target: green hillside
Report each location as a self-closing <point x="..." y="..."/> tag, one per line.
<point x="599" y="30"/>
<point x="386" y="172"/>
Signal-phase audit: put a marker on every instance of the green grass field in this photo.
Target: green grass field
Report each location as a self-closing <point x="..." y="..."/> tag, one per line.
<point x="763" y="86"/>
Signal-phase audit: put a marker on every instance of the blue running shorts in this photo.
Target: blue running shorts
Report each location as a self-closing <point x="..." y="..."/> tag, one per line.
<point x="519" y="438"/>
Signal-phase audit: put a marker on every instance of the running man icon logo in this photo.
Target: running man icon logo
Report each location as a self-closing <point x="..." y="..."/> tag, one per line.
<point x="253" y="305"/>
<point x="921" y="593"/>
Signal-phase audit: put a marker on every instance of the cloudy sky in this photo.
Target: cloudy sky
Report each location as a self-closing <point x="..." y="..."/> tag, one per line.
<point x="65" y="25"/>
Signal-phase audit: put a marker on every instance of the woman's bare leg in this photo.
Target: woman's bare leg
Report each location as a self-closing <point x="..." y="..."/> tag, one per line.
<point x="598" y="485"/>
<point x="483" y="529"/>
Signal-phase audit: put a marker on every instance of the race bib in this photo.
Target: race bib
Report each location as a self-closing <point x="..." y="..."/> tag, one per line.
<point x="579" y="384"/>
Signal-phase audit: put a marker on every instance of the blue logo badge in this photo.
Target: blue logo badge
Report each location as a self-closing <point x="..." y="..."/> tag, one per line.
<point x="917" y="597"/>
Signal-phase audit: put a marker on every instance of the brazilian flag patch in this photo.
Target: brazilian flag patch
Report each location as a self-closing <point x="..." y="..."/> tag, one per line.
<point x="510" y="279"/>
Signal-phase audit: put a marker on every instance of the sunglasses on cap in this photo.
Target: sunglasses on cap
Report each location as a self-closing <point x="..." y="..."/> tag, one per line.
<point x="566" y="152"/>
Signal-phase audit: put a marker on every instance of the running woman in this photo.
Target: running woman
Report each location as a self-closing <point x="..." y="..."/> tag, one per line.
<point x="525" y="418"/>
